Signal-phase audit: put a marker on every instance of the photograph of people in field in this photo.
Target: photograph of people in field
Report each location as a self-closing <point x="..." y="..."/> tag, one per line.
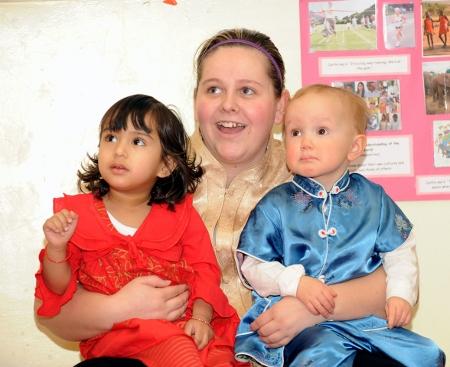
<point x="398" y="26"/>
<point x="435" y="27"/>
<point x="342" y="25"/>
<point x="383" y="101"/>
<point x="436" y="82"/>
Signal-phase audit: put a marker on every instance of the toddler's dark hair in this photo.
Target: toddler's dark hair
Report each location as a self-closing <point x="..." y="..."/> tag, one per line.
<point x="175" y="144"/>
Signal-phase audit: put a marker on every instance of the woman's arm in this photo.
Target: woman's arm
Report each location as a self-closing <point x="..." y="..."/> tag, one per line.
<point x="361" y="297"/>
<point x="355" y="298"/>
<point x="80" y="318"/>
<point x="88" y="314"/>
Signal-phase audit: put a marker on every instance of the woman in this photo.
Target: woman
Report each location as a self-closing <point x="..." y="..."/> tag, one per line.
<point x="239" y="96"/>
<point x="361" y="89"/>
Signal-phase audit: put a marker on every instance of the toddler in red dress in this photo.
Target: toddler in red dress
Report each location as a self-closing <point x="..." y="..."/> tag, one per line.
<point x="137" y="218"/>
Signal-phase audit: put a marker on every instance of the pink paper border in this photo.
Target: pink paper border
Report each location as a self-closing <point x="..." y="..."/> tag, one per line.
<point x="415" y="121"/>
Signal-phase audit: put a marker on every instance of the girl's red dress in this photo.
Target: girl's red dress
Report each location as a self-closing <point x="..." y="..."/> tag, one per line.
<point x="443" y="24"/>
<point x="428" y="25"/>
<point x="174" y="245"/>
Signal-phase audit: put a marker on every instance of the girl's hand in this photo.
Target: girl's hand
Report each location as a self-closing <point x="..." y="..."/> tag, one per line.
<point x="200" y="331"/>
<point x="59" y="228"/>
<point x="398" y="311"/>
<point x="316" y="296"/>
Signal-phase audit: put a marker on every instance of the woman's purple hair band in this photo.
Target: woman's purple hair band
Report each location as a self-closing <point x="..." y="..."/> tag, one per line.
<point x="254" y="45"/>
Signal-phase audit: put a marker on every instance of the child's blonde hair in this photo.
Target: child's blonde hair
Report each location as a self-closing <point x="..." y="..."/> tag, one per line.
<point x="354" y="105"/>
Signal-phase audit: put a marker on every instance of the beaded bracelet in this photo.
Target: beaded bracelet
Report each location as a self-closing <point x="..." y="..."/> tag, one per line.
<point x="56" y="261"/>
<point x="201" y="320"/>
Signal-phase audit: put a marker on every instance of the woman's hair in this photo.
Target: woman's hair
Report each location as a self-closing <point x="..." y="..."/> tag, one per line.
<point x="244" y="38"/>
<point x="363" y="90"/>
<point x="352" y="103"/>
<point x="175" y="145"/>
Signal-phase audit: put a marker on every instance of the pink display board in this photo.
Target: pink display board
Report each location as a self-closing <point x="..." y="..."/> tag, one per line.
<point x="380" y="50"/>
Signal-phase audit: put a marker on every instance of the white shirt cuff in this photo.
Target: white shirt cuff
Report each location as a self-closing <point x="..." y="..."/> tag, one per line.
<point x="272" y="278"/>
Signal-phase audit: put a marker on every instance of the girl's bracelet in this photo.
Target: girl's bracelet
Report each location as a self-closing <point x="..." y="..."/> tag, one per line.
<point x="201" y="320"/>
<point x="56" y="261"/>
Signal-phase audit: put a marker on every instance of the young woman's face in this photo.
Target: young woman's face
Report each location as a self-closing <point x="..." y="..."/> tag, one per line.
<point x="236" y="106"/>
<point x="130" y="160"/>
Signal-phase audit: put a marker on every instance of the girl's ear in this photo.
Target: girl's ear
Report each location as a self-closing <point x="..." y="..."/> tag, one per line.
<point x="358" y="147"/>
<point x="166" y="167"/>
<point x="281" y="106"/>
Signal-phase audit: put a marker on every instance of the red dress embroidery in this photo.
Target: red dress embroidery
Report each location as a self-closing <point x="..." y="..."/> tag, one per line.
<point x="174" y="245"/>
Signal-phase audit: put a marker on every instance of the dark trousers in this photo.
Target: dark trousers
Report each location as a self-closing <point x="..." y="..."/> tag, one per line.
<point x="363" y="359"/>
<point x="110" y="362"/>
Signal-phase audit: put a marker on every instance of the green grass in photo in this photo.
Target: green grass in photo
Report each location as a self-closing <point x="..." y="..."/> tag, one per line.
<point x="346" y="38"/>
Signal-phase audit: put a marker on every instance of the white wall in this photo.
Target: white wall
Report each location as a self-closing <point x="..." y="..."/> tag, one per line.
<point x="62" y="64"/>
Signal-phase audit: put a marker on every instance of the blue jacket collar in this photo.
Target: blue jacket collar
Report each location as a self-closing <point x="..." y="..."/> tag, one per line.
<point x="314" y="188"/>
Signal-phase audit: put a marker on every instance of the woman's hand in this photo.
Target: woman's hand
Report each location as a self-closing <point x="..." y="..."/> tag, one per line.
<point x="281" y="323"/>
<point x="150" y="297"/>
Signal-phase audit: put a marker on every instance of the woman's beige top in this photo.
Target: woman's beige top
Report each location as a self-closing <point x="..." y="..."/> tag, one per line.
<point x="225" y="209"/>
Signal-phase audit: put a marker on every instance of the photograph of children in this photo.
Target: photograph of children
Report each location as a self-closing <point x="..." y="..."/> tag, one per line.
<point x="398" y="30"/>
<point x="435" y="19"/>
<point x="436" y="82"/>
<point x="383" y="101"/>
<point x="441" y="136"/>
<point x="342" y="25"/>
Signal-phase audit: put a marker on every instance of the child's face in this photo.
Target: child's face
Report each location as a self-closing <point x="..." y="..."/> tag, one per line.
<point x="130" y="160"/>
<point x="320" y="139"/>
